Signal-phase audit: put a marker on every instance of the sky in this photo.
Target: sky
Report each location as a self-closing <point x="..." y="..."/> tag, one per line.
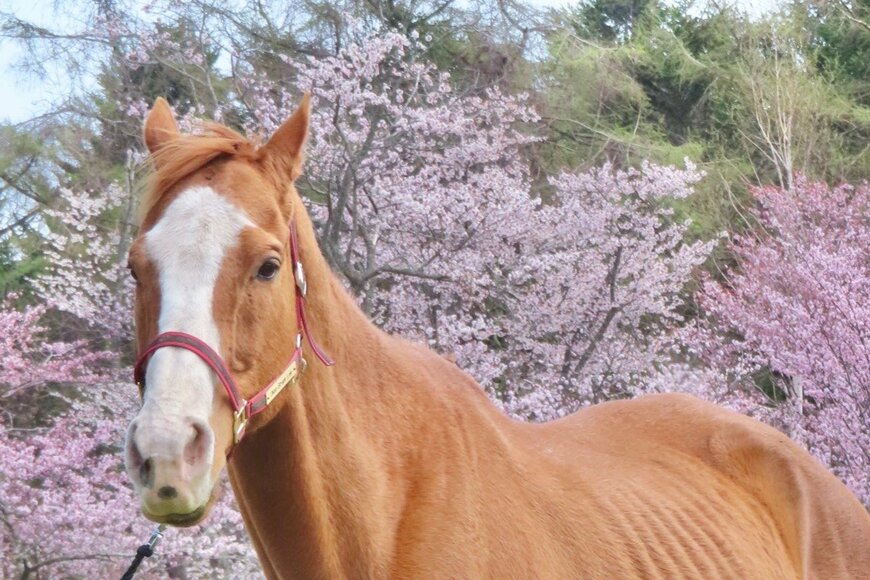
<point x="24" y="98"/>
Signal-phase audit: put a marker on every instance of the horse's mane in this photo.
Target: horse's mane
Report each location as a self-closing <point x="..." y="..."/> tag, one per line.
<point x="184" y="154"/>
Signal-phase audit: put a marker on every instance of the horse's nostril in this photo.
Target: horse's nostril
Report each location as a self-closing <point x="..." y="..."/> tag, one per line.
<point x="196" y="448"/>
<point x="146" y="473"/>
<point x="167" y="492"/>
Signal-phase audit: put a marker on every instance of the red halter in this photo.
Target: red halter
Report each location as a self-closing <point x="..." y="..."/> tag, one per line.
<point x="243" y="409"/>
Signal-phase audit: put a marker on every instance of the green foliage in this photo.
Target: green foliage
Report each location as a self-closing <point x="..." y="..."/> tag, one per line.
<point x="842" y="44"/>
<point x="611" y="20"/>
<point x="18" y="268"/>
<point x="752" y="101"/>
<point x="772" y="384"/>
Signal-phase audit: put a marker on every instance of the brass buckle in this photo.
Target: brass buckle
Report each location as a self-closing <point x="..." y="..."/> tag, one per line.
<point x="240" y="421"/>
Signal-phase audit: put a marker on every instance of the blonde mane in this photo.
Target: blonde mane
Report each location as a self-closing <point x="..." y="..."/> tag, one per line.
<point x="185" y="154"/>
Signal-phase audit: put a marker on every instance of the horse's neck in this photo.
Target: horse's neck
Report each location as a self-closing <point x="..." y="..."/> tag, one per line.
<point x="317" y="485"/>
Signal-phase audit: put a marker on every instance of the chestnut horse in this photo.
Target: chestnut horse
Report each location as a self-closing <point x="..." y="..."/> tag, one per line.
<point x="392" y="463"/>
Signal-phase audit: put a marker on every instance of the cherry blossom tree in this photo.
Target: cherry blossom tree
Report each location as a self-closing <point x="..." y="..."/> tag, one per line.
<point x="27" y="360"/>
<point x="426" y="208"/>
<point x="787" y="332"/>
<point x="86" y="248"/>
<point x="66" y="507"/>
<point x="596" y="289"/>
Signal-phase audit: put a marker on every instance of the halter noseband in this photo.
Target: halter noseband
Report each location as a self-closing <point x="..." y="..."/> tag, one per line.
<point x="243" y="409"/>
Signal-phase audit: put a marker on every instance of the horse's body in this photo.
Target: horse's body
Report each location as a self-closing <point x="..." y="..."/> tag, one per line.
<point x="398" y="466"/>
<point x="393" y="463"/>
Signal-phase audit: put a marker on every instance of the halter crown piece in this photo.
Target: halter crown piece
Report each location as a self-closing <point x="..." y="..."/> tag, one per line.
<point x="243" y="409"/>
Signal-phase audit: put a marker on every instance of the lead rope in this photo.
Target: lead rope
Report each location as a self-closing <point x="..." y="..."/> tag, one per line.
<point x="144" y="551"/>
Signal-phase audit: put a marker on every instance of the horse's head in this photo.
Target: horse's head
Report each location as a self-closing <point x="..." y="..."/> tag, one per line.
<point x="212" y="260"/>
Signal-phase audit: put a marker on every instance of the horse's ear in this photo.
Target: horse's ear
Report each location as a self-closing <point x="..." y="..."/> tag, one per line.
<point x="160" y="125"/>
<point x="285" y="149"/>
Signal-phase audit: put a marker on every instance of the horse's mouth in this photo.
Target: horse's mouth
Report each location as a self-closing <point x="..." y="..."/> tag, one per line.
<point x="180" y="520"/>
<point x="188" y="519"/>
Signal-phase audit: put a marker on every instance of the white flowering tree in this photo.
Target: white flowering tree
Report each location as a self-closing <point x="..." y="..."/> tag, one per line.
<point x="426" y="208"/>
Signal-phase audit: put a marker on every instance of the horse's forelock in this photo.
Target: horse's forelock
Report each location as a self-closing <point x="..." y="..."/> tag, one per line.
<point x="184" y="155"/>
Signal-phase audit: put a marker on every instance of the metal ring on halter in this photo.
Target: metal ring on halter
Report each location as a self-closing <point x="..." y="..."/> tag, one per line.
<point x="301" y="282"/>
<point x="240" y="421"/>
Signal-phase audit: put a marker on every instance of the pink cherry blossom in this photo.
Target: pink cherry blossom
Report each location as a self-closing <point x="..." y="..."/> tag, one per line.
<point x="797" y="309"/>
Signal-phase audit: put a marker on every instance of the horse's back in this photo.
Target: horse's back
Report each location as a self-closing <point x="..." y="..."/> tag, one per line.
<point x="690" y="489"/>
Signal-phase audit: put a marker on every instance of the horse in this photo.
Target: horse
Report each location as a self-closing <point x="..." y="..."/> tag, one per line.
<point x="363" y="455"/>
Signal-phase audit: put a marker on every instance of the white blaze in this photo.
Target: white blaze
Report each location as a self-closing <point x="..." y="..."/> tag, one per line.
<point x="187" y="246"/>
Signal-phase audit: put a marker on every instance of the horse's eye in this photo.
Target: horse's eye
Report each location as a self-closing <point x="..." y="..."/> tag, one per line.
<point x="132" y="272"/>
<point x="269" y="269"/>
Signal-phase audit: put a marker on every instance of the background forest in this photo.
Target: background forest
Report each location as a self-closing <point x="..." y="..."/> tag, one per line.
<point x="580" y="204"/>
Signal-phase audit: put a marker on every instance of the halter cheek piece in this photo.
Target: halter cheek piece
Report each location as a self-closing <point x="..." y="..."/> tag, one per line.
<point x="243" y="409"/>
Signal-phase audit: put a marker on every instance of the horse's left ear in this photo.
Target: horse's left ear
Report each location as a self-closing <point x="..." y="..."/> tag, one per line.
<point x="160" y="125"/>
<point x="285" y="149"/>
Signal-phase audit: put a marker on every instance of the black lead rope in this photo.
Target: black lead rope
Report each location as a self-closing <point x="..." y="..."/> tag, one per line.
<point x="144" y="551"/>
